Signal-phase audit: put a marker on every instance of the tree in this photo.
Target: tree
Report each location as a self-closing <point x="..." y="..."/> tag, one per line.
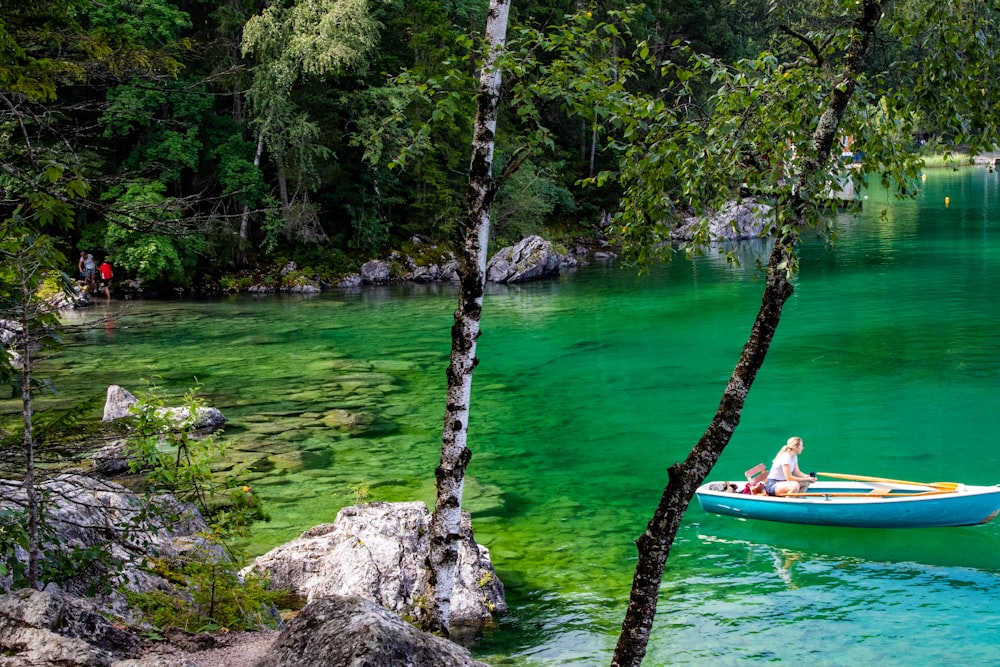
<point x="291" y="42"/>
<point x="30" y="265"/>
<point x="826" y="90"/>
<point x="442" y="559"/>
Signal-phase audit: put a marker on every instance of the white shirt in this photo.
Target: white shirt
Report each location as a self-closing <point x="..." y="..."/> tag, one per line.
<point x="783" y="458"/>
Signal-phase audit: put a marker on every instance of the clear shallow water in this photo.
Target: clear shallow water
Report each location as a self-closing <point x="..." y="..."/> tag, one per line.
<point x="886" y="362"/>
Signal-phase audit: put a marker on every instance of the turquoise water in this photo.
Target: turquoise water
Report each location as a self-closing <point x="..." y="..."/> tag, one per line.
<point x="886" y="363"/>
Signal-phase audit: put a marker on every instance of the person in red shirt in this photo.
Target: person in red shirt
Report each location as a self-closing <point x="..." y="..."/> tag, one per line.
<point x="105" y="271"/>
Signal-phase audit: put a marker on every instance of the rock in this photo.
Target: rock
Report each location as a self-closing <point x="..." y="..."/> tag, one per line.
<point x="207" y="420"/>
<point x="54" y="628"/>
<point x="111" y="459"/>
<point x="530" y="258"/>
<point x="426" y="274"/>
<point x="119" y="401"/>
<point x="83" y="512"/>
<point x="9" y="332"/>
<point x="345" y="420"/>
<point x="350" y="631"/>
<point x="449" y="271"/>
<point x="736" y="221"/>
<point x="375" y="272"/>
<point x="378" y="551"/>
<point x="304" y="288"/>
<point x="63" y="301"/>
<point x="350" y="280"/>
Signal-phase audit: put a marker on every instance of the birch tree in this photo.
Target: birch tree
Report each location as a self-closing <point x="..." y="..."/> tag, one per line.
<point x="291" y="41"/>
<point x="442" y="559"/>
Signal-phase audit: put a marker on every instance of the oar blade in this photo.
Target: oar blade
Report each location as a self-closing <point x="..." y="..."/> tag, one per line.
<point x="942" y="486"/>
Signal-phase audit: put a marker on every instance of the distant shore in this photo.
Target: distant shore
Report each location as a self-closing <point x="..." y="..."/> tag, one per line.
<point x="962" y="160"/>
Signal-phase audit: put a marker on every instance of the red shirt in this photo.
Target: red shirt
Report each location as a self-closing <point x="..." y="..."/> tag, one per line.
<point x="105" y="270"/>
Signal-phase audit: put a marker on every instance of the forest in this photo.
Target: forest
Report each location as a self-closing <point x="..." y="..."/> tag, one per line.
<point x="198" y="143"/>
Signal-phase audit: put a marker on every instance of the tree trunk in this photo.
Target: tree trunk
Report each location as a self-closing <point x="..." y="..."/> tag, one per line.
<point x="654" y="545"/>
<point x="29" y="460"/>
<point x="245" y="218"/>
<point x="442" y="559"/>
<point x="684" y="478"/>
<point x="25" y="311"/>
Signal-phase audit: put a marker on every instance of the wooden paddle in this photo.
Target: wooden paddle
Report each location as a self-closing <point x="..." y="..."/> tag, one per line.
<point x="941" y="486"/>
<point x="823" y="494"/>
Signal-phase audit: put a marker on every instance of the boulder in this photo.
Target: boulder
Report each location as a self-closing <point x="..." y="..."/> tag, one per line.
<point x="84" y="512"/>
<point x="350" y="280"/>
<point x="350" y="631"/>
<point x="738" y="220"/>
<point x="119" y="401"/>
<point x="10" y="331"/>
<point x="304" y="288"/>
<point x="55" y="628"/>
<point x="378" y="552"/>
<point x="425" y="274"/>
<point x="449" y="271"/>
<point x="207" y="420"/>
<point x="112" y="459"/>
<point x="530" y="258"/>
<point x="375" y="272"/>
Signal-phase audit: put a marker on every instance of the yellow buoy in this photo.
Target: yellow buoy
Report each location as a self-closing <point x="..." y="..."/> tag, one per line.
<point x="947" y="200"/>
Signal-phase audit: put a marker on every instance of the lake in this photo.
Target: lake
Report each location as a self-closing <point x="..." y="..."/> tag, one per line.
<point x="886" y="363"/>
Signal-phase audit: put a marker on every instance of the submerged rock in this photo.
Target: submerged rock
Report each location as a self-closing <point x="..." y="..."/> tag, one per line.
<point x="378" y="551"/>
<point x="350" y="631"/>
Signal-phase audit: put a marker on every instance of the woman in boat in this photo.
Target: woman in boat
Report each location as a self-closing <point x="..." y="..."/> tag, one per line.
<point x="785" y="476"/>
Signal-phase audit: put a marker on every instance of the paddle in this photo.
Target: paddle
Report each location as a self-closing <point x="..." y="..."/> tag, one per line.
<point x="823" y="494"/>
<point x="941" y="486"/>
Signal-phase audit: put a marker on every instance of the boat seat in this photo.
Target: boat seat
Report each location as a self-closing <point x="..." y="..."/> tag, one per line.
<point x="880" y="492"/>
<point x="756" y="473"/>
<point x="756" y="476"/>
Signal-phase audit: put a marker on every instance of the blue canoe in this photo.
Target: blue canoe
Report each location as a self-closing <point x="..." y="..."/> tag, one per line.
<point x="859" y="504"/>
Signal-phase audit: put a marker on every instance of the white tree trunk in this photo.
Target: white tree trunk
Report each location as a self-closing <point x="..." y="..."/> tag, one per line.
<point x="245" y="218"/>
<point x="443" y="557"/>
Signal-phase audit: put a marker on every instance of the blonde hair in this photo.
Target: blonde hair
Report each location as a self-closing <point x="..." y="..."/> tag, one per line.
<point x="792" y="443"/>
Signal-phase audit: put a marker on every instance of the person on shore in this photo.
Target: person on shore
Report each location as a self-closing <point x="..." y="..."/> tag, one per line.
<point x="785" y="476"/>
<point x="88" y="267"/>
<point x="106" y="273"/>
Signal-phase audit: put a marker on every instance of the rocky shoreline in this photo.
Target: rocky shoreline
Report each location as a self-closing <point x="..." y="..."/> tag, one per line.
<point x="367" y="564"/>
<point x="355" y="579"/>
<point x="532" y="258"/>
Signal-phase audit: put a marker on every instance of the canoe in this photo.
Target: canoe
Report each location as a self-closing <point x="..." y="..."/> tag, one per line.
<point x="860" y="504"/>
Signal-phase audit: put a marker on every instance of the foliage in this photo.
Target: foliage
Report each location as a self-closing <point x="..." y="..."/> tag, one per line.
<point x="139" y="233"/>
<point x="165" y="445"/>
<point x="526" y="205"/>
<point x="57" y="563"/>
<point x="181" y="94"/>
<point x="208" y="596"/>
<point x="360" y="491"/>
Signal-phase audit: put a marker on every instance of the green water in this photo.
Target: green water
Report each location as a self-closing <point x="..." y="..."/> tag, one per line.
<point x="886" y="362"/>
